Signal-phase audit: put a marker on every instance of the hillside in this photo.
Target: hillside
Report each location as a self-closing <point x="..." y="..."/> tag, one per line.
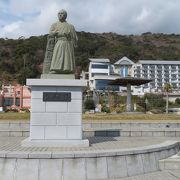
<point x="22" y="58"/>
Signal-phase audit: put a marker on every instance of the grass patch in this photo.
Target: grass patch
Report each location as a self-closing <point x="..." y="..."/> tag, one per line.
<point x="131" y="117"/>
<point x="14" y="116"/>
<point x="94" y="117"/>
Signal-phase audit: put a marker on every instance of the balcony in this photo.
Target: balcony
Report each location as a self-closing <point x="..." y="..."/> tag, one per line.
<point x="159" y="71"/>
<point x="174" y="72"/>
<point x="159" y="80"/>
<point x="173" y="77"/>
<point x="137" y="72"/>
<point x="174" y="85"/>
<point x="166" y="71"/>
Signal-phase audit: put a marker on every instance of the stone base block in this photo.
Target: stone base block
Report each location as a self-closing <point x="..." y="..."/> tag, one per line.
<point x="55" y="143"/>
<point x="57" y="76"/>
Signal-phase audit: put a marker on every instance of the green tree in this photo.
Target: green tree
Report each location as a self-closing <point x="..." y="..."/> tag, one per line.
<point x="177" y="101"/>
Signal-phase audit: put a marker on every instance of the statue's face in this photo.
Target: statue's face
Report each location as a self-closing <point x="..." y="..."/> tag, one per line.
<point x="62" y="16"/>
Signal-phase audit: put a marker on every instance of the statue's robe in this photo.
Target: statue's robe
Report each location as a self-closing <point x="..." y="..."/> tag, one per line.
<point x="63" y="60"/>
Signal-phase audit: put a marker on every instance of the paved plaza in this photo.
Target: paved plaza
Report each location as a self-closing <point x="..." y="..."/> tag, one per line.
<point x="107" y="157"/>
<point x="13" y="144"/>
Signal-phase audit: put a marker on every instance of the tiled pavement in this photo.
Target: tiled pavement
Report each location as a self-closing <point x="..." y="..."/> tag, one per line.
<point x="12" y="145"/>
<point x="97" y="143"/>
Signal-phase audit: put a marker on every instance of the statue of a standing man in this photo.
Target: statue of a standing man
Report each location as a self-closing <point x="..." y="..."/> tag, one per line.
<point x="62" y="37"/>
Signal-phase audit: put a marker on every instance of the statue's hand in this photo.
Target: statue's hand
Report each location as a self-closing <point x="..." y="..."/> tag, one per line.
<point x="53" y="34"/>
<point x="67" y="35"/>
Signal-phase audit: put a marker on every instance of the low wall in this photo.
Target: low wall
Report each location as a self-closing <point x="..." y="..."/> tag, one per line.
<point x="20" y="128"/>
<point x="84" y="165"/>
<point x="135" y="132"/>
<point x="14" y="128"/>
<point x="129" y="125"/>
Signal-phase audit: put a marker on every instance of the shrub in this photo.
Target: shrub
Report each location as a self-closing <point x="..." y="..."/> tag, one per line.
<point x="140" y="108"/>
<point x="11" y="110"/>
<point x="89" y="104"/>
<point x="121" y="108"/>
<point x="24" y="110"/>
<point x="105" y="109"/>
<point x="177" y="101"/>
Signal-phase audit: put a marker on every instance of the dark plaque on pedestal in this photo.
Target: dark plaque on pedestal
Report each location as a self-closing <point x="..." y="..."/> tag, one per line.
<point x="56" y="96"/>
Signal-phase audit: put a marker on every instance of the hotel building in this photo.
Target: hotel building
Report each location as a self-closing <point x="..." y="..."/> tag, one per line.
<point x="161" y="72"/>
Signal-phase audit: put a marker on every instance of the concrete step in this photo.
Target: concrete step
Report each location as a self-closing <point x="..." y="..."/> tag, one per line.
<point x="171" y="163"/>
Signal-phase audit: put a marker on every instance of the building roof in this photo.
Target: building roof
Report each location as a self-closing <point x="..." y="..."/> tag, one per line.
<point x="124" y="81"/>
<point x="124" y="61"/>
<point x="99" y="60"/>
<point x="158" y="62"/>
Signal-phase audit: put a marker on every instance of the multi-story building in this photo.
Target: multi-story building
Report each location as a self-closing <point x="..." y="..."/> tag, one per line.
<point x="100" y="74"/>
<point x="161" y="73"/>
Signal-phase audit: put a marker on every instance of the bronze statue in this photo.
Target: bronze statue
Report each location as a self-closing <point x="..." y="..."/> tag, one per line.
<point x="62" y="39"/>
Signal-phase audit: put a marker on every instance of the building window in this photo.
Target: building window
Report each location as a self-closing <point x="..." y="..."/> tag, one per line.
<point x="145" y="66"/>
<point x="152" y="85"/>
<point x="93" y="74"/>
<point x="17" y="102"/>
<point x="159" y="67"/>
<point x="174" y="85"/>
<point x="99" y="66"/>
<point x="8" y="101"/>
<point x="103" y="84"/>
<point x="152" y="67"/>
<point x="173" y="67"/>
<point x="18" y="93"/>
<point x="124" y="71"/>
<point x="173" y="76"/>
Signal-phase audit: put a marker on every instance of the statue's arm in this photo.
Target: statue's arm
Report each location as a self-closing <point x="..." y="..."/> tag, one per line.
<point x="53" y="31"/>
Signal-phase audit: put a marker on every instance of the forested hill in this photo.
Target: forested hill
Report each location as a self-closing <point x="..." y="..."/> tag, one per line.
<point x="22" y="58"/>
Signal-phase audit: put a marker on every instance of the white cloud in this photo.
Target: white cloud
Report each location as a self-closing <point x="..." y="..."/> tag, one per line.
<point x="10" y="28"/>
<point x="120" y="16"/>
<point x="143" y="15"/>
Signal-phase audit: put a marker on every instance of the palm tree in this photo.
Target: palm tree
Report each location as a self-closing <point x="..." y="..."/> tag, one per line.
<point x="167" y="89"/>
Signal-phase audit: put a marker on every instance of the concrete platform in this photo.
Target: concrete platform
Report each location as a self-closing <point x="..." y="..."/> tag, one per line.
<point x="171" y="163"/>
<point x="55" y="143"/>
<point x="107" y="158"/>
<point x="159" y="175"/>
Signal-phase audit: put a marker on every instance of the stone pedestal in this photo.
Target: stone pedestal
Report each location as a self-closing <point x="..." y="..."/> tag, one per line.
<point x="56" y="122"/>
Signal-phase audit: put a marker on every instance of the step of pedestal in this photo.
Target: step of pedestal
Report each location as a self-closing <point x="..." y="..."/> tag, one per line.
<point x="171" y="163"/>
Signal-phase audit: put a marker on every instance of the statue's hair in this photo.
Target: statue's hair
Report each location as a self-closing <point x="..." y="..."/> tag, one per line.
<point x="64" y="11"/>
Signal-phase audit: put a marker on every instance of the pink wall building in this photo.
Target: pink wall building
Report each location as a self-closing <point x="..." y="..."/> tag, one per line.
<point x="16" y="97"/>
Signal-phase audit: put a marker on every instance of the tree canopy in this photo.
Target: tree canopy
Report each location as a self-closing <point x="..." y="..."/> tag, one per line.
<point x="23" y="58"/>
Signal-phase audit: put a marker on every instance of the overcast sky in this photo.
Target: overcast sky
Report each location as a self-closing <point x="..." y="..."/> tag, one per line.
<point x="34" y="17"/>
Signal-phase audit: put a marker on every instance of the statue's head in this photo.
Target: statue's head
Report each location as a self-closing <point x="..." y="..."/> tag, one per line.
<point x="62" y="15"/>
